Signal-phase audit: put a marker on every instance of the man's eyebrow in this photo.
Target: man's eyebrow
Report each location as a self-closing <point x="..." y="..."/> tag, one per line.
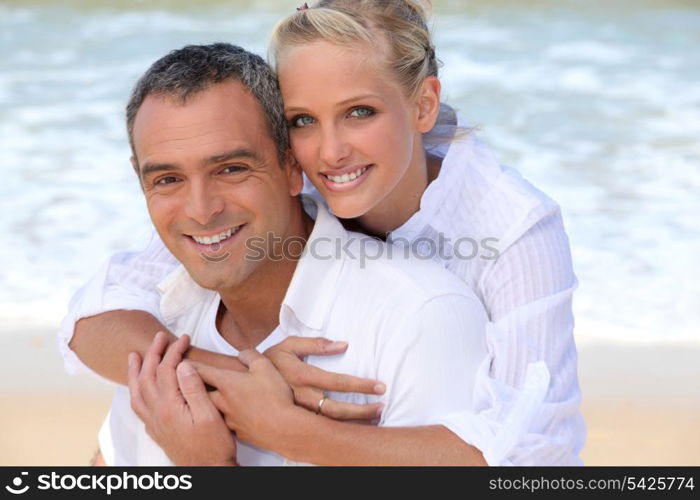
<point x="234" y="154"/>
<point x="150" y="168"/>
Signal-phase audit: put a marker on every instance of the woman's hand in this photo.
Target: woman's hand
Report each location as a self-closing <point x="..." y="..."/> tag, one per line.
<point x="308" y="383"/>
<point x="257" y="404"/>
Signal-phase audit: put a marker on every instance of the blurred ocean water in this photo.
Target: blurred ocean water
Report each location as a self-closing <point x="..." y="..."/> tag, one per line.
<point x="596" y="103"/>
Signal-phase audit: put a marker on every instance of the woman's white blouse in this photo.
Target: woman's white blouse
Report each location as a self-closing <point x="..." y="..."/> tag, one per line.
<point x="505" y="240"/>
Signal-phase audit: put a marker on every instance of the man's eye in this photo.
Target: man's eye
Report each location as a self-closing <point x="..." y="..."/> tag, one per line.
<point x="301" y="121"/>
<point x="233" y="169"/>
<point x="362" y="112"/>
<point x="166" y="180"/>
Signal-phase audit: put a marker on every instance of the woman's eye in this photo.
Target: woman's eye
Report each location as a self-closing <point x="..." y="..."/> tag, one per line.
<point x="362" y="112"/>
<point x="301" y="121"/>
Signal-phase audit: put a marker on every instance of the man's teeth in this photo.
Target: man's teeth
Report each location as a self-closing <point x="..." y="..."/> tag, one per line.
<point x="217" y="238"/>
<point x="341" y="179"/>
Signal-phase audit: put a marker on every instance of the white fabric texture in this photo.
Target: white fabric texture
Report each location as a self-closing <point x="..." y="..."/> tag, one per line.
<point x="527" y="292"/>
<point x="408" y="322"/>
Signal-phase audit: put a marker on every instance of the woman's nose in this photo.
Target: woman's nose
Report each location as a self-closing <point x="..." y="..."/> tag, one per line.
<point x="334" y="148"/>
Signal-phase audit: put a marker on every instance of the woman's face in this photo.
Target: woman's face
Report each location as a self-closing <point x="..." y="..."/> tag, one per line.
<point x="352" y="128"/>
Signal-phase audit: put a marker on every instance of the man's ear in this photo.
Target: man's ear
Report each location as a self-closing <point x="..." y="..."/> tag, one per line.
<point x="294" y="174"/>
<point x="428" y="102"/>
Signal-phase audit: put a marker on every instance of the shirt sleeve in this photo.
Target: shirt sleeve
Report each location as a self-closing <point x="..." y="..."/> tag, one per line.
<point x="117" y="436"/>
<point x="527" y="397"/>
<point x="431" y="360"/>
<point x="128" y="281"/>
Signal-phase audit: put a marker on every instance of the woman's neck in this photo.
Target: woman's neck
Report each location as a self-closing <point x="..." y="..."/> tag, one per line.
<point x="404" y="201"/>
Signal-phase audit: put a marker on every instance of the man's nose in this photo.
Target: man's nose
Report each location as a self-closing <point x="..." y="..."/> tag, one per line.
<point x="204" y="203"/>
<point x="334" y="147"/>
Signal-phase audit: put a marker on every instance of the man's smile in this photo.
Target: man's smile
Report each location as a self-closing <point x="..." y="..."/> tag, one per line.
<point x="214" y="242"/>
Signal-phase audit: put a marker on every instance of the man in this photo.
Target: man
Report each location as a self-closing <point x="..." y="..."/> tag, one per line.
<point x="209" y="147"/>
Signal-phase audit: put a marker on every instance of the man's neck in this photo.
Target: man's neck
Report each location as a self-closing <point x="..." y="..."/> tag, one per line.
<point x="250" y="312"/>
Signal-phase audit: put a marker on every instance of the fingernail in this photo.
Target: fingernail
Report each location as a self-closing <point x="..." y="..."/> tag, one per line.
<point x="379" y="388"/>
<point x="337" y="345"/>
<point x="380" y="410"/>
<point x="186" y="369"/>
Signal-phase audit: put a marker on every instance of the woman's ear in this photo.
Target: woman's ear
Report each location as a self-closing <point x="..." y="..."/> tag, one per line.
<point x="294" y="174"/>
<point x="428" y="101"/>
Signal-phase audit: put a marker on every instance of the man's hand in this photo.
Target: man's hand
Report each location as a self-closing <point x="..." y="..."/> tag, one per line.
<point x="309" y="382"/>
<point x="255" y="403"/>
<point x="170" y="398"/>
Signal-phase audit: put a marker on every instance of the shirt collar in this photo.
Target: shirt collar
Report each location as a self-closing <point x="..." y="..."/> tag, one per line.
<point x="443" y="194"/>
<point x="311" y="292"/>
<point x="179" y="293"/>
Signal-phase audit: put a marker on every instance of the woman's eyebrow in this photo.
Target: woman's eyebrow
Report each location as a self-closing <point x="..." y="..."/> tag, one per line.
<point x="293" y="109"/>
<point x="359" y="98"/>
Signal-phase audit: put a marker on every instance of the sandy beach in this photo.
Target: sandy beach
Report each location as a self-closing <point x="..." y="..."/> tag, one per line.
<point x="641" y="404"/>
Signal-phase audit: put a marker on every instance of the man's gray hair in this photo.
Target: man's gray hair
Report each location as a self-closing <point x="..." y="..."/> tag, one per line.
<point x="194" y="68"/>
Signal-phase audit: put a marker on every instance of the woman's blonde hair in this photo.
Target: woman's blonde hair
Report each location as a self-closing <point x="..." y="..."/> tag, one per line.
<point x="398" y="26"/>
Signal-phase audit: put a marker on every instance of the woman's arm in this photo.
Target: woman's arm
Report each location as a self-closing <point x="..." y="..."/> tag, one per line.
<point x="430" y="359"/>
<point x="528" y="400"/>
<point x="115" y="313"/>
<point x="103" y="343"/>
<point x="324" y="441"/>
<point x="126" y="287"/>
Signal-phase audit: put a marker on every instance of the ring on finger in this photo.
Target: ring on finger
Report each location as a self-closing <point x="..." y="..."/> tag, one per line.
<point x="319" y="408"/>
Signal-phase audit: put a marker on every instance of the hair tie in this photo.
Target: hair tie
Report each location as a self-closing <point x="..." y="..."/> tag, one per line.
<point x="303" y="7"/>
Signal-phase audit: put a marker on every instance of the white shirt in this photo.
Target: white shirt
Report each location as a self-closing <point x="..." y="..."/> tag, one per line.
<point x="408" y="322"/>
<point x="527" y="398"/>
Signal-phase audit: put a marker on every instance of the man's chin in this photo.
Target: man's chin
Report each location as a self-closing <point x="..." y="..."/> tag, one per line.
<point x="209" y="275"/>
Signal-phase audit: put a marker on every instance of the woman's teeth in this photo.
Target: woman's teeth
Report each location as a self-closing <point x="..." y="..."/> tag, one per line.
<point x="342" y="179"/>
<point x="217" y="238"/>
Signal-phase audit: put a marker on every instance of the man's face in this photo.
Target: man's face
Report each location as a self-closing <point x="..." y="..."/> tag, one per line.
<point x="211" y="176"/>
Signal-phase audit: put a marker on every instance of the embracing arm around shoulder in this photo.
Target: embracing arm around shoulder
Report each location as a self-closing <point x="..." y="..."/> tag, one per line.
<point x="103" y="342"/>
<point x="429" y="363"/>
<point x="116" y="313"/>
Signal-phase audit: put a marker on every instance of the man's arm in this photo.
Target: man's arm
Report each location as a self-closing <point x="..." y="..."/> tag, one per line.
<point x="103" y="342"/>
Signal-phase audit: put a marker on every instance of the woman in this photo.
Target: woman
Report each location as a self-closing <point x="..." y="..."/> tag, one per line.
<point x="362" y="98"/>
